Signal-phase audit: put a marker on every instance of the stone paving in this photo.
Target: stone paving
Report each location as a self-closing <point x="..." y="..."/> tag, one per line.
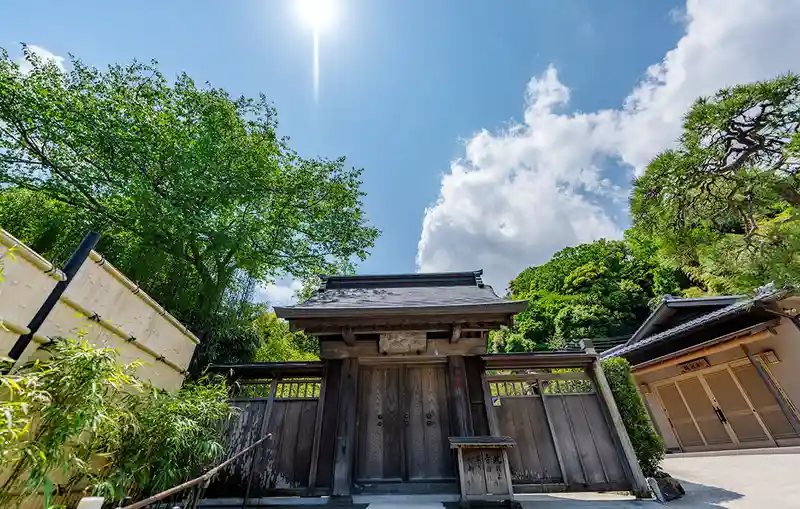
<point x="747" y="480"/>
<point x="756" y="479"/>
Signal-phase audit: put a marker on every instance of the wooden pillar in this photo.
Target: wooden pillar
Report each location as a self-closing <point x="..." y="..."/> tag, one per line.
<point x="782" y="403"/>
<point x="638" y="482"/>
<point x="346" y="428"/>
<point x="459" y="397"/>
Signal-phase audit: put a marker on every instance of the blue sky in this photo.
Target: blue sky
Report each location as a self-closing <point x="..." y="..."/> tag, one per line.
<point x="455" y="106"/>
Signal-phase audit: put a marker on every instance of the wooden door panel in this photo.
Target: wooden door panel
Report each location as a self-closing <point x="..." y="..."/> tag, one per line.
<point x="379" y="458"/>
<point x="702" y="409"/>
<point x="427" y="450"/>
<point x="735" y="408"/>
<point x="764" y="402"/>
<point x="414" y="425"/>
<point x="393" y="425"/>
<point x="679" y="416"/>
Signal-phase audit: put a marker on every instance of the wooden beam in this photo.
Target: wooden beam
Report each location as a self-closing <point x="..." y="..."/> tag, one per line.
<point x="405" y="322"/>
<point x="349" y="336"/>
<point x="782" y="403"/>
<point x="535" y="360"/>
<point x="346" y="429"/>
<point x="437" y="348"/>
<point x="455" y="333"/>
<point x="570" y="375"/>
<point x="695" y="352"/>
<point x="638" y="482"/>
<point x="262" y="370"/>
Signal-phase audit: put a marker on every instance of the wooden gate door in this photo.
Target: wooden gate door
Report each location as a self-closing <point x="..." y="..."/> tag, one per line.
<point x="765" y="405"/>
<point x="380" y="430"/>
<point x="427" y="428"/>
<point x="724" y="407"/>
<point x="737" y="410"/>
<point x="562" y="434"/>
<point x="706" y="413"/>
<point x="403" y="425"/>
<point x="681" y="418"/>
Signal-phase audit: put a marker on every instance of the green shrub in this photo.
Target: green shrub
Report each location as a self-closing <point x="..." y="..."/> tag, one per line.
<point x="647" y="443"/>
<point x="80" y="420"/>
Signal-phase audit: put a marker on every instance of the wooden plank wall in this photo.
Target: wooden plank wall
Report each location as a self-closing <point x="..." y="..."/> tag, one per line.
<point x="241" y="430"/>
<point x="534" y="458"/>
<point x="281" y="465"/>
<point x="562" y="437"/>
<point x="285" y="464"/>
<point x="345" y="441"/>
<point x="590" y="458"/>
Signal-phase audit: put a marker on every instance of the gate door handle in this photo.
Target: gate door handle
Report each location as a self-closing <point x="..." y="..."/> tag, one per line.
<point x="720" y="415"/>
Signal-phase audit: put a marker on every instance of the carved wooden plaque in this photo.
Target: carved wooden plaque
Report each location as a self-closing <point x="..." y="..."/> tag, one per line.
<point x="694" y="365"/>
<point x="403" y="342"/>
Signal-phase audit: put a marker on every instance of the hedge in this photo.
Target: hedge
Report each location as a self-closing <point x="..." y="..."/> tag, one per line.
<point x="648" y="445"/>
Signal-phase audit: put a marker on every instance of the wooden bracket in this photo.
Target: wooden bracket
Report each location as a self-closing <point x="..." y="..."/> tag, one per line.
<point x="349" y="336"/>
<point x="455" y="333"/>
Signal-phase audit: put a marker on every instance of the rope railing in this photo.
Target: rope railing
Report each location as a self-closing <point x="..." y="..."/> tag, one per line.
<point x="201" y="481"/>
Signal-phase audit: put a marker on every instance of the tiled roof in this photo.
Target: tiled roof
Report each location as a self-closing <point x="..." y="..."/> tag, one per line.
<point x="454" y="290"/>
<point x="669" y="304"/>
<point x="765" y="294"/>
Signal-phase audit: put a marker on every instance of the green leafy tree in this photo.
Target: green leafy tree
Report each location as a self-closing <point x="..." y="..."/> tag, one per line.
<point x="187" y="172"/>
<point x="279" y="343"/>
<point x="723" y="205"/>
<point x="592" y="290"/>
<point x="53" y="229"/>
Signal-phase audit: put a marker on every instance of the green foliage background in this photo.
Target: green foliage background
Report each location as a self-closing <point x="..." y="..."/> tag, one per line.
<point x="715" y="215"/>
<point x="79" y="420"/>
<point x="199" y="199"/>
<point x="647" y="443"/>
<point x="196" y="195"/>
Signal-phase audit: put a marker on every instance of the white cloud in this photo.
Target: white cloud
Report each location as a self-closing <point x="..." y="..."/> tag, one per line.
<point x="518" y="195"/>
<point x="44" y="54"/>
<point x="280" y="293"/>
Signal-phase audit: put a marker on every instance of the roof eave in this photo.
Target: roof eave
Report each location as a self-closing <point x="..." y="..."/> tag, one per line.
<point x="510" y="307"/>
<point x="649" y="322"/>
<point x="666" y="303"/>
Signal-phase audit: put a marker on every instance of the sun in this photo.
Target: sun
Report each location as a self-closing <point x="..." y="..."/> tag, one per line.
<point x="318" y="14"/>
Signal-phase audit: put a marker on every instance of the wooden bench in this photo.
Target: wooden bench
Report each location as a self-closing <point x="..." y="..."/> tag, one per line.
<point x="483" y="469"/>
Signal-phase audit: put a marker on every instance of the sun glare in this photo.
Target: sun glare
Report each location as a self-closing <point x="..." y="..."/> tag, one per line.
<point x="318" y="14"/>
